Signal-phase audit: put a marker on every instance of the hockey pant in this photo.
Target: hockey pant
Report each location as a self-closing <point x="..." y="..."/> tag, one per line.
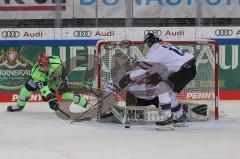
<point x="178" y="80"/>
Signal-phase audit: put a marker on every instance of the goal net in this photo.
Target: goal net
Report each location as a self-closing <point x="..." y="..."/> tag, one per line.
<point x="202" y="90"/>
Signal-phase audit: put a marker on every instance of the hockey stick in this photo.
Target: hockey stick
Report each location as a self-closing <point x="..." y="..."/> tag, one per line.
<point x="90" y="109"/>
<point x="64" y="113"/>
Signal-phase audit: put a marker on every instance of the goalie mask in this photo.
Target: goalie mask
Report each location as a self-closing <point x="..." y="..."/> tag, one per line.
<point x="150" y="39"/>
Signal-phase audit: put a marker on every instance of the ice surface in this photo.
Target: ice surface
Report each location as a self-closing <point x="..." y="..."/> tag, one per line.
<point x="37" y="133"/>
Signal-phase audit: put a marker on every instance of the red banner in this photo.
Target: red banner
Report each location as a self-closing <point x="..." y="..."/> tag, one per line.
<point x="12" y="97"/>
<point x="224" y="95"/>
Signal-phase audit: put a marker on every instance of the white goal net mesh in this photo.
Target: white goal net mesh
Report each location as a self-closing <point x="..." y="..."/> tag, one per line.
<point x="203" y="89"/>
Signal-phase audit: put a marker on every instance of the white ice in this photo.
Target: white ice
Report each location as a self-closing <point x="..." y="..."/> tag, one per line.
<point x="37" y="133"/>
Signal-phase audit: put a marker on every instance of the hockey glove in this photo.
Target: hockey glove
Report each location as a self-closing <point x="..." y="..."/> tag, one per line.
<point x="52" y="101"/>
<point x="125" y="81"/>
<point x="153" y="79"/>
<point x="110" y="87"/>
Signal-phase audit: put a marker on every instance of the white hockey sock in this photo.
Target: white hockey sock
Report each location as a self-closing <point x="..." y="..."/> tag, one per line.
<point x="176" y="107"/>
<point x="165" y="105"/>
<point x="174" y="100"/>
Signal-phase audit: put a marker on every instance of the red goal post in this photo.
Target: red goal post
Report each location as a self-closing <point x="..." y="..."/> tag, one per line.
<point x="203" y="89"/>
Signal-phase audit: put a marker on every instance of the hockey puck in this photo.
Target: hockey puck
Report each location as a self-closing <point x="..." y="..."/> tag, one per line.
<point x="127" y="126"/>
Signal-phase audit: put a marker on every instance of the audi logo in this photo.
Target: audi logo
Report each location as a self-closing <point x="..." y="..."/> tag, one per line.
<point x="223" y="32"/>
<point x="155" y="32"/>
<point x="82" y="33"/>
<point x="10" y="34"/>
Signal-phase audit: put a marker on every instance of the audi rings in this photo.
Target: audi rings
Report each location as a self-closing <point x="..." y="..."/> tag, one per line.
<point x="223" y="32"/>
<point x="10" y="34"/>
<point x="155" y="32"/>
<point x="82" y="33"/>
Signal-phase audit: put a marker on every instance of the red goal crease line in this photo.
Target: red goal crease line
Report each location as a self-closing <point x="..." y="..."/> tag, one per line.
<point x="31" y="8"/>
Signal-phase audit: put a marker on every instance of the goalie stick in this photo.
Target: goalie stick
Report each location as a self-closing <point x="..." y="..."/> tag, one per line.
<point x="64" y="113"/>
<point x="99" y="105"/>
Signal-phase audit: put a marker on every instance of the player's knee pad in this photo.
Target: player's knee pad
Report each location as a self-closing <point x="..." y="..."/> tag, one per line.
<point x="30" y="85"/>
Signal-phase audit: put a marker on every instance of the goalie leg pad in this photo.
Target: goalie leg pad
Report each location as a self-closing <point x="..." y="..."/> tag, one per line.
<point x="196" y="112"/>
<point x="201" y="109"/>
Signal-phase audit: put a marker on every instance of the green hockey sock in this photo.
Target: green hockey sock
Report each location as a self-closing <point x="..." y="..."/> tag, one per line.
<point x="69" y="97"/>
<point x="24" y="95"/>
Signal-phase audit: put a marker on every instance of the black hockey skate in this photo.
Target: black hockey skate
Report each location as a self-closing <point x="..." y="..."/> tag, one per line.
<point x="181" y="121"/>
<point x="14" y="108"/>
<point x="182" y="118"/>
<point x="167" y="124"/>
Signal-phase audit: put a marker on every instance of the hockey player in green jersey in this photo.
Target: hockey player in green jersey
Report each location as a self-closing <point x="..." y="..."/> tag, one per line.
<point x="47" y="76"/>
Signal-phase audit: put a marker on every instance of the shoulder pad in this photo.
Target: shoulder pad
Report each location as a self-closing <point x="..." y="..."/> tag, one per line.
<point x="55" y="60"/>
